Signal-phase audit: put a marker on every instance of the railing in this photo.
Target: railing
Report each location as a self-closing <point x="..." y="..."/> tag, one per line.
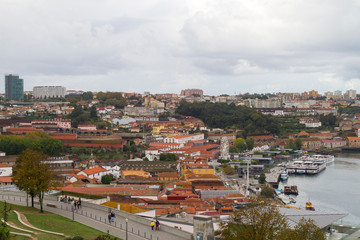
<point x="141" y="233"/>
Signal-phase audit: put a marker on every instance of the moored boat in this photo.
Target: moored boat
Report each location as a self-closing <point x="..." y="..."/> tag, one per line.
<point x="309" y="206"/>
<point x="284" y="175"/>
<point x="294" y="190"/>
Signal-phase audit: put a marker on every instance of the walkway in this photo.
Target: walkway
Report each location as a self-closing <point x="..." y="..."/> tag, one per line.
<point x="97" y="218"/>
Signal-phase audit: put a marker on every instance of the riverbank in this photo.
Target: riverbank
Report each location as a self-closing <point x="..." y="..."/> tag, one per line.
<point x="332" y="190"/>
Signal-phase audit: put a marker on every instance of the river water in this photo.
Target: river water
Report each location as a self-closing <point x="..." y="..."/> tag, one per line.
<point x="336" y="189"/>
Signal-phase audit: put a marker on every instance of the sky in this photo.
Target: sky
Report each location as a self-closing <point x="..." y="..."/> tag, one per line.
<point x="163" y="46"/>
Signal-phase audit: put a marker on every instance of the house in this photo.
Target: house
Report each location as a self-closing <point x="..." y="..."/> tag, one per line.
<point x="88" y="127"/>
<point x="5" y="170"/>
<point x="5" y="181"/>
<point x="353" y="142"/>
<point x="333" y="143"/>
<point x="168" y="176"/>
<point x="95" y="172"/>
<point x="140" y="173"/>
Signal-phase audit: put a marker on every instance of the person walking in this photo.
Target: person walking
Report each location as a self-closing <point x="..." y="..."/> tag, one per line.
<point x="157" y="223"/>
<point x="152" y="224"/>
<point x="79" y="203"/>
<point x="109" y="218"/>
<point x="112" y="216"/>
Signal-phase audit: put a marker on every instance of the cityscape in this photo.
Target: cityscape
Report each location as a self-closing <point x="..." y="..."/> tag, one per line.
<point x="176" y="156"/>
<point x="180" y="120"/>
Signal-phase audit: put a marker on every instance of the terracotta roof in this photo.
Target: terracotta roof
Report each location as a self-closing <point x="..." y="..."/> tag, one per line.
<point x="4" y="165"/>
<point x="6" y="179"/>
<point x="94" y="170"/>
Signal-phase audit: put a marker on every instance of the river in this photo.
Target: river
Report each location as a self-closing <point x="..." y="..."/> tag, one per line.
<point x="336" y="189"/>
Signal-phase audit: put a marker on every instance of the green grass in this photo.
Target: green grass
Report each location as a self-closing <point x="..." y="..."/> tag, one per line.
<point x="51" y="222"/>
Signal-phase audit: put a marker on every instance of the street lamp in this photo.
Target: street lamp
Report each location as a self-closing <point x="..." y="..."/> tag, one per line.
<point x="126" y="220"/>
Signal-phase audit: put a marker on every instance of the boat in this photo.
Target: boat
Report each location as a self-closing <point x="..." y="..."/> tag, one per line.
<point x="287" y="190"/>
<point x="306" y="166"/>
<point x="294" y="190"/>
<point x="326" y="158"/>
<point x="284" y="175"/>
<point x="309" y="206"/>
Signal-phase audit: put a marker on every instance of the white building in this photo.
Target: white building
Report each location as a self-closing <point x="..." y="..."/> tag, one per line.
<point x="49" y="92"/>
<point x="5" y="170"/>
<point x="184" y="138"/>
<point x="95" y="172"/>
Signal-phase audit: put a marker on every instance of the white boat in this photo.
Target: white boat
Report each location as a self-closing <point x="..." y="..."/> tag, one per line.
<point x="306" y="166"/>
<point x="284" y="175"/>
<point x="326" y="158"/>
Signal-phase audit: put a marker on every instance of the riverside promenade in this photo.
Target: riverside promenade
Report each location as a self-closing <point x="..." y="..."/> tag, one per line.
<point x="95" y="216"/>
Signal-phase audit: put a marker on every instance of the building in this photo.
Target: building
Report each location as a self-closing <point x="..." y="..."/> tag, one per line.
<point x="192" y="93"/>
<point x="14" y="88"/>
<point x="43" y="92"/>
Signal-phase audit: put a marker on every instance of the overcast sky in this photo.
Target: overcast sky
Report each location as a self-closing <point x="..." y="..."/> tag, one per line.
<point x="220" y="46"/>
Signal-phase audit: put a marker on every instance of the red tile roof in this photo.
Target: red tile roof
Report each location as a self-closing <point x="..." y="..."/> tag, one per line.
<point x="94" y="170"/>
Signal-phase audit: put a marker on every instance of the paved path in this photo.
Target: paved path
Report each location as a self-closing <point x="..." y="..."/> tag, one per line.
<point x="98" y="219"/>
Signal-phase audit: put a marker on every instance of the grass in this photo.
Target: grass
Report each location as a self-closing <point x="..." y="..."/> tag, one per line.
<point x="51" y="222"/>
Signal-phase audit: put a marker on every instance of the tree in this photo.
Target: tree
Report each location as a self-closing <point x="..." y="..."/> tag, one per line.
<point x="250" y="143"/>
<point x="259" y="220"/>
<point x="240" y="145"/>
<point x="298" y="143"/>
<point x="106" y="179"/>
<point x="262" y="178"/>
<point x="93" y="113"/>
<point x="32" y="175"/>
<point x="228" y="170"/>
<point x="4" y="231"/>
<point x="267" y="192"/>
<point x="306" y="229"/>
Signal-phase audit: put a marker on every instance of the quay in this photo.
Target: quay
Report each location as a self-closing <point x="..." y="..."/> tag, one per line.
<point x="273" y="176"/>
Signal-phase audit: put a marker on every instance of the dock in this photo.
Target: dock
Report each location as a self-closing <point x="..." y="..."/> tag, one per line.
<point x="273" y="177"/>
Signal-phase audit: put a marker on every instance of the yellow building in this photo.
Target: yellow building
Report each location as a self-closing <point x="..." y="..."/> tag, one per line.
<point x="125" y="173"/>
<point x="198" y="168"/>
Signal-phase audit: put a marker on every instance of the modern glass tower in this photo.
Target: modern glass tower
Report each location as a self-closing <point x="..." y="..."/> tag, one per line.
<point x="14" y="88"/>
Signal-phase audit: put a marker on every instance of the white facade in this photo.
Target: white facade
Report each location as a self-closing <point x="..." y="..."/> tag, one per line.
<point x="184" y="138"/>
<point x="5" y="171"/>
<point x="49" y="92"/>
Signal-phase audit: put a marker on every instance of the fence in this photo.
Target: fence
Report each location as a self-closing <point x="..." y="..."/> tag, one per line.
<point x="98" y="215"/>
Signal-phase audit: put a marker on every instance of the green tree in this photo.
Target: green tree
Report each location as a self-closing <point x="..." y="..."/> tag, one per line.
<point x="250" y="143"/>
<point x="290" y="144"/>
<point x="228" y="170"/>
<point x="4" y="231"/>
<point x="106" y="179"/>
<point x="240" y="145"/>
<point x="262" y="178"/>
<point x="32" y="175"/>
<point x="298" y="143"/>
<point x="306" y="229"/>
<point x="259" y="221"/>
<point x="267" y="192"/>
<point x="93" y="113"/>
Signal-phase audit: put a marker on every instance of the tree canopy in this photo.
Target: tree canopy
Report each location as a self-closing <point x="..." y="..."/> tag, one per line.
<point x="40" y="141"/>
<point x="229" y="115"/>
<point x="32" y="175"/>
<point x="259" y="220"/>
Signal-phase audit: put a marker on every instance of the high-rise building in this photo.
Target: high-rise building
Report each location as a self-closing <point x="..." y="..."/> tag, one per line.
<point x="14" y="88"/>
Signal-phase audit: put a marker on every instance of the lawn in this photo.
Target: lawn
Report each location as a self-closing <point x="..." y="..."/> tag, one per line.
<point x="51" y="222"/>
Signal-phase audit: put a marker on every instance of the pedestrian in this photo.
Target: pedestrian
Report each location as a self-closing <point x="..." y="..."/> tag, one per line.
<point x="112" y="216"/>
<point x="329" y="230"/>
<point x="79" y="203"/>
<point x="109" y="218"/>
<point x="157" y="223"/>
<point x="75" y="205"/>
<point x="152" y="224"/>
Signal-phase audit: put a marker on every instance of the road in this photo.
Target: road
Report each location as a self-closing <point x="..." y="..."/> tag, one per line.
<point x="98" y="219"/>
